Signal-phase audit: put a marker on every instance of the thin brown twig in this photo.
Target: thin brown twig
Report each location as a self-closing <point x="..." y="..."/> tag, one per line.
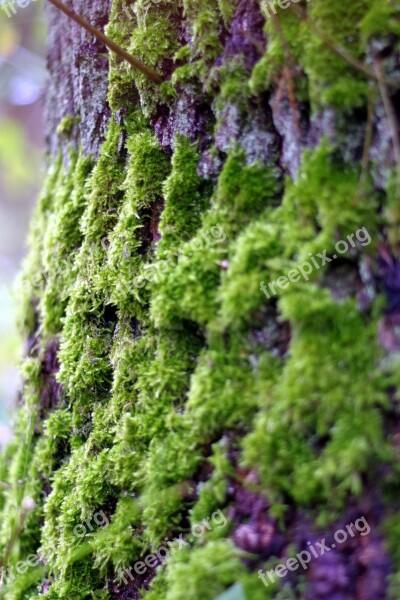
<point x="286" y="48"/>
<point x="13" y="538"/>
<point x="390" y="113"/>
<point x="291" y="89"/>
<point x="148" y="71"/>
<point x="27" y="506"/>
<point x="287" y="73"/>
<point x="369" y="130"/>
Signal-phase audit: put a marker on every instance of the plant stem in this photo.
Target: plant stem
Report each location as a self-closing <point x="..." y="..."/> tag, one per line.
<point x="389" y="109"/>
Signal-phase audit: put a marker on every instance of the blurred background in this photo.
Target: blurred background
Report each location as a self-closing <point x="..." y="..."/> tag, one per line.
<point x="22" y="80"/>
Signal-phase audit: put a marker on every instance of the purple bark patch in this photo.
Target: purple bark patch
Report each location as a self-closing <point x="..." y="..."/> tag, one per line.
<point x="78" y="78"/>
<point x="246" y="36"/>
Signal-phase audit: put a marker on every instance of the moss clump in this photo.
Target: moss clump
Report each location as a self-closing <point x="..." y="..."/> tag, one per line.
<point x="186" y="197"/>
<point x="202" y="573"/>
<point x="315" y="44"/>
<point x="332" y="80"/>
<point x="380" y="19"/>
<point x="310" y="398"/>
<point x="67" y="125"/>
<point x="62" y="241"/>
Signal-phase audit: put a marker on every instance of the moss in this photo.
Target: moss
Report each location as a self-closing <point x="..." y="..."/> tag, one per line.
<point x="32" y="280"/>
<point x="207" y="25"/>
<point x="232" y="75"/>
<point x="62" y="241"/>
<point x="241" y="192"/>
<point x="185" y="198"/>
<point x="332" y="80"/>
<point x="139" y="213"/>
<point x="322" y="206"/>
<point x="227" y="10"/>
<point x="286" y="30"/>
<point x="259" y="245"/>
<point x="202" y="573"/>
<point x="381" y="18"/>
<point x="213" y="493"/>
<point x="57" y="432"/>
<point x="150" y="35"/>
<point x="84" y="349"/>
<point x="392" y="209"/>
<point x="121" y="542"/>
<point x="67" y="125"/>
<point x="307" y="397"/>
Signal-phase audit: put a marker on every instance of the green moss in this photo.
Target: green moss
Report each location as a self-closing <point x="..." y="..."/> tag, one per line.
<point x="322" y="395"/>
<point x="323" y="205"/>
<point x="212" y="493"/>
<point x="392" y="213"/>
<point x="62" y="242"/>
<point x="146" y="172"/>
<point x="32" y="280"/>
<point x="57" y="432"/>
<point x="206" y="21"/>
<point x="227" y="8"/>
<point x="67" y="125"/>
<point x="381" y="18"/>
<point x="151" y="36"/>
<point x="203" y="573"/>
<point x="284" y="32"/>
<point x="85" y="367"/>
<point x="185" y="198"/>
<point x="241" y="193"/>
<point x="259" y="246"/>
<point x="121" y="542"/>
<point x="332" y="80"/>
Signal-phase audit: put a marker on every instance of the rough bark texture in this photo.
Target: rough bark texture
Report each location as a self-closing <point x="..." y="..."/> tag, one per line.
<point x="163" y="385"/>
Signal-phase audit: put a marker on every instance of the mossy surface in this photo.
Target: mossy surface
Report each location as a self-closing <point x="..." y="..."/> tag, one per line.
<point x="160" y="384"/>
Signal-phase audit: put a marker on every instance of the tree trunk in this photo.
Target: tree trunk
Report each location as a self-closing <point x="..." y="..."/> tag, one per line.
<point x="211" y="306"/>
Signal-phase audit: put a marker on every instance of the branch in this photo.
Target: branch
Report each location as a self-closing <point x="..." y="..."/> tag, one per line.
<point x="148" y="71"/>
<point x="389" y="109"/>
